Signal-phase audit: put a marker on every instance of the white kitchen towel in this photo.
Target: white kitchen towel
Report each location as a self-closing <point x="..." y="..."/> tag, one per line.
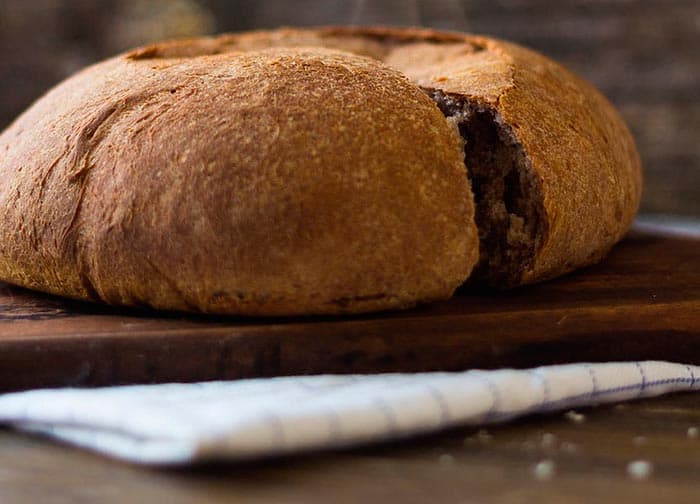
<point x="243" y="419"/>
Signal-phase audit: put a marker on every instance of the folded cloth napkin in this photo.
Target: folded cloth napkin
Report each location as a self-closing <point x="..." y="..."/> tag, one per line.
<point x="185" y="423"/>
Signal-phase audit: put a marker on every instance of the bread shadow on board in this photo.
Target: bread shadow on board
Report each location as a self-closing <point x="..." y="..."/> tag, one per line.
<point x="18" y="303"/>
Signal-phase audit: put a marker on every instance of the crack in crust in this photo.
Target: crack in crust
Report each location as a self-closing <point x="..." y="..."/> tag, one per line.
<point x="78" y="169"/>
<point x="509" y="209"/>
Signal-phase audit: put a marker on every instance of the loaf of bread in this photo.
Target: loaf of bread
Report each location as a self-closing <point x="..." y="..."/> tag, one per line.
<point x="339" y="170"/>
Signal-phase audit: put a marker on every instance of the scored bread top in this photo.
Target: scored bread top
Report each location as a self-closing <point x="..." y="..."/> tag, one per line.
<point x="580" y="150"/>
<point x="270" y="182"/>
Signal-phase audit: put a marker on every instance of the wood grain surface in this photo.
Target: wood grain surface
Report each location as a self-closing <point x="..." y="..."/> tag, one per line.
<point x="642" y="302"/>
<point x="589" y="462"/>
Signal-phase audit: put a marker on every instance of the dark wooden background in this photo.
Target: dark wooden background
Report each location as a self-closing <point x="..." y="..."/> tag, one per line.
<point x="644" y="55"/>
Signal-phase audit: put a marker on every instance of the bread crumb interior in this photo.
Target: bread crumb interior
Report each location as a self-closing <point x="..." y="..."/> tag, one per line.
<point x="508" y="201"/>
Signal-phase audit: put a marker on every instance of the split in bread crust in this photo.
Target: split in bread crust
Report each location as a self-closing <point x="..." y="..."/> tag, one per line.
<point x="509" y="211"/>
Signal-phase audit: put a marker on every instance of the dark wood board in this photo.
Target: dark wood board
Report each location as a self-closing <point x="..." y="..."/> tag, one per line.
<point x="642" y="302"/>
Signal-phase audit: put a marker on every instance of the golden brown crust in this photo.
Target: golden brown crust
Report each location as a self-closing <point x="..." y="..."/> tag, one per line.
<point x="578" y="146"/>
<point x="236" y="211"/>
<point x="271" y="182"/>
<point x="584" y="156"/>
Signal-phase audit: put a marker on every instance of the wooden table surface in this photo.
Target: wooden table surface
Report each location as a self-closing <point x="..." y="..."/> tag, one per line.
<point x="590" y="460"/>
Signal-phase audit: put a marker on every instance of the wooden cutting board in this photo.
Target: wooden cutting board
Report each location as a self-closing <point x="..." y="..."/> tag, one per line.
<point x="643" y="302"/>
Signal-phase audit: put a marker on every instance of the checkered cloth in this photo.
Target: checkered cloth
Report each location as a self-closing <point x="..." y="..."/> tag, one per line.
<point x="176" y="424"/>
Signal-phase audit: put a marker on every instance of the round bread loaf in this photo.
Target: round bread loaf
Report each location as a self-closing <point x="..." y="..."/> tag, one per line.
<point x="269" y="182"/>
<point x="312" y="171"/>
